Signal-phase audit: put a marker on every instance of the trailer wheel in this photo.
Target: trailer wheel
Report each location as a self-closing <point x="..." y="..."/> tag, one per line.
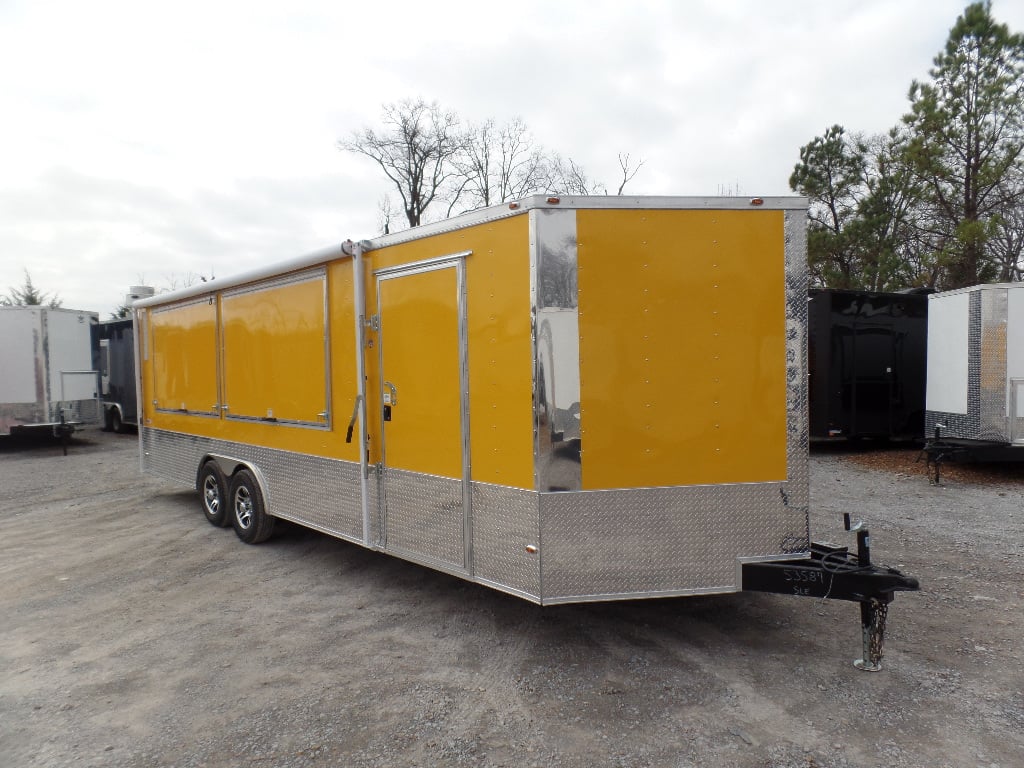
<point x="248" y="512"/>
<point x="115" y="421"/>
<point x="214" y="489"/>
<point x="108" y="423"/>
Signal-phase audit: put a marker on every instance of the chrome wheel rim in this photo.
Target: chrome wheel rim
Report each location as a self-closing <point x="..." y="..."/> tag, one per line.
<point x="211" y="495"/>
<point x="243" y="507"/>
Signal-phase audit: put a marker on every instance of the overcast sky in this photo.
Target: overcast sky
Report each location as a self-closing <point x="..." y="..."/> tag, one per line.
<point x="142" y="142"/>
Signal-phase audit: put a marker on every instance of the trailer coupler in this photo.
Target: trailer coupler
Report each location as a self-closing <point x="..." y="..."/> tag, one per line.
<point x="835" y="573"/>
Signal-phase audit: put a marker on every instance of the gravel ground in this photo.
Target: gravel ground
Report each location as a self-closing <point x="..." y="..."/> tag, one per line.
<point x="132" y="633"/>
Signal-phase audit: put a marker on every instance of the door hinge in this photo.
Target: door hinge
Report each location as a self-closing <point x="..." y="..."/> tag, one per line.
<point x="373" y="322"/>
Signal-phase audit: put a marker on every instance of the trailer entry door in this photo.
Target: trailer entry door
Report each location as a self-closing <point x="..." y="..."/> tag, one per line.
<point x="424" y="407"/>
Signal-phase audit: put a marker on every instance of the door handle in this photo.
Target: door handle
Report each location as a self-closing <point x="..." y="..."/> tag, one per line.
<point x="394" y="394"/>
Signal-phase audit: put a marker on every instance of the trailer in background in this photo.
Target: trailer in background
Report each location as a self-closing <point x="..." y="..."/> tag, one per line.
<point x="115" y="341"/>
<point x="975" y="402"/>
<point x="50" y="379"/>
<point x="866" y="361"/>
<point x="568" y="400"/>
<point x="118" y="394"/>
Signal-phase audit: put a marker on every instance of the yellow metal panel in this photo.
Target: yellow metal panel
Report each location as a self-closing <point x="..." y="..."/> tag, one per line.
<point x="682" y="347"/>
<point x="420" y="356"/>
<point x="274" y="352"/>
<point x="270" y="434"/>
<point x="184" y="357"/>
<point x="500" y="363"/>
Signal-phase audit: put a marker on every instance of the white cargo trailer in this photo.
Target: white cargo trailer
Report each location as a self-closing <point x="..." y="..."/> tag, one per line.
<point x="50" y="380"/>
<point x="975" y="391"/>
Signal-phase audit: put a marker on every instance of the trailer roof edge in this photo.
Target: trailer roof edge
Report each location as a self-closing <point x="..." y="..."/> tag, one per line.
<point x="254" y="275"/>
<point x="979" y="287"/>
<point x="482" y="216"/>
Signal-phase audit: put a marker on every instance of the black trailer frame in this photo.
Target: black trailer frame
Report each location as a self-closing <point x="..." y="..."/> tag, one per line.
<point x="835" y="573"/>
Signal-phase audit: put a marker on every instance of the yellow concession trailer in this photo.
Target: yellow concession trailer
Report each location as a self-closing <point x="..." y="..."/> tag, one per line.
<point x="568" y="399"/>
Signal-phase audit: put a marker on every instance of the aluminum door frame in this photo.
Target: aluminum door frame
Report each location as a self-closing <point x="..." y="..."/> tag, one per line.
<point x="456" y="261"/>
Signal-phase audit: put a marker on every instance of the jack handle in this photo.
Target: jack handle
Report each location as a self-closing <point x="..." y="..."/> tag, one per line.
<point x="352" y="421"/>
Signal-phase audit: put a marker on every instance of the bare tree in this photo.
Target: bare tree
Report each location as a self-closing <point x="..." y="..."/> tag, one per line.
<point x="415" y="149"/>
<point x="386" y="213"/>
<point x="567" y="177"/>
<point x="430" y="158"/>
<point x="175" y="281"/>
<point x="628" y="171"/>
<point x="501" y="163"/>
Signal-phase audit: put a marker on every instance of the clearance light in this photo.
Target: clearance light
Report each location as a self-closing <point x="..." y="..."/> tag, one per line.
<point x="757" y="201"/>
<point x="513" y="206"/>
<point x="554" y="200"/>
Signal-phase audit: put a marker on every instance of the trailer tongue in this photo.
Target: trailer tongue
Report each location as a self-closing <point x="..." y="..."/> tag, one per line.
<point x="835" y="573"/>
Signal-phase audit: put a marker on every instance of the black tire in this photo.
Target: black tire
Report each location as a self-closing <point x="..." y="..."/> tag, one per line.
<point x="108" y="423"/>
<point x="213" y="494"/>
<point x="248" y="513"/>
<point x="115" y="421"/>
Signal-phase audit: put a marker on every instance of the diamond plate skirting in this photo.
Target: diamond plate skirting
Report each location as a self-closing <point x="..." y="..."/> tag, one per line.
<point x="321" y="493"/>
<point x="424" y="518"/>
<point x="505" y="523"/>
<point x="600" y="544"/>
<point x="587" y="545"/>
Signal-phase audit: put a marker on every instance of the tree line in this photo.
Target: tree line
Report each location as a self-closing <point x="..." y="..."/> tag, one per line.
<point x="938" y="201"/>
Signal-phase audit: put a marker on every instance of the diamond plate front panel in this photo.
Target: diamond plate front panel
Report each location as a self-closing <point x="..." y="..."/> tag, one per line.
<point x="424" y="517"/>
<point x="314" y="491"/>
<point x="797" y="488"/>
<point x="662" y="540"/>
<point x="992" y="373"/>
<point x="506" y="522"/>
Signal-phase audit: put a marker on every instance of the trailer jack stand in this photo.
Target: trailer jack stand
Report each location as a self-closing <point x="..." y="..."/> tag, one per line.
<point x="63" y="431"/>
<point x="873" y="613"/>
<point x="836" y="573"/>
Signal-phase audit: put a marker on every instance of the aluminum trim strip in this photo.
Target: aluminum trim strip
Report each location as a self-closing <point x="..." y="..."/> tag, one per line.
<point x="319" y="273"/>
<point x="205" y="298"/>
<point x="426" y="265"/>
<point x="322" y="256"/>
<point x="616" y="596"/>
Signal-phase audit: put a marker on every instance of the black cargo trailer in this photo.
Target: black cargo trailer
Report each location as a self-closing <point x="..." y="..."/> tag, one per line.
<point x="867" y="363"/>
<point x="115" y="340"/>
